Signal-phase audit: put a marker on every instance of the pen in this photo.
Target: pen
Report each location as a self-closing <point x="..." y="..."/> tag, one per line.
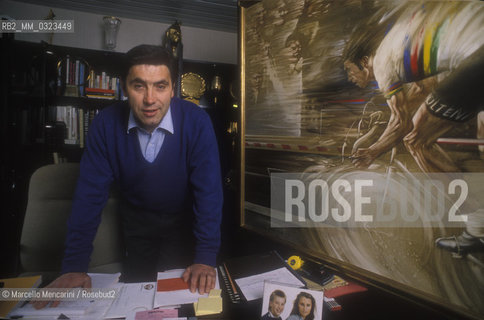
<point x="235" y="297"/>
<point x="230" y="279"/>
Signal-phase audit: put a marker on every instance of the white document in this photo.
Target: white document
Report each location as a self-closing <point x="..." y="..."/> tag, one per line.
<point x="76" y="308"/>
<point x="132" y="297"/>
<point x="177" y="297"/>
<point x="104" y="280"/>
<point x="67" y="308"/>
<point x="253" y="286"/>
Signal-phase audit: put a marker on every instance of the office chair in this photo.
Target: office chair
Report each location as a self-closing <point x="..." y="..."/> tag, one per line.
<point x="50" y="193"/>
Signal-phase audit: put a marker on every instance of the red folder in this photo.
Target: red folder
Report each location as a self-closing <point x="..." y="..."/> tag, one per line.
<point x="171" y="284"/>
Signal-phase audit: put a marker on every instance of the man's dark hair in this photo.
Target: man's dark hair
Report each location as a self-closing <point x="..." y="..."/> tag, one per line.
<point x="368" y="34"/>
<point x="364" y="41"/>
<point x="151" y="55"/>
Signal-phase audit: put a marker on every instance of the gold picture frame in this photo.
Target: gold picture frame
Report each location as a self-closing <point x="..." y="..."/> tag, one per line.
<point x="301" y="113"/>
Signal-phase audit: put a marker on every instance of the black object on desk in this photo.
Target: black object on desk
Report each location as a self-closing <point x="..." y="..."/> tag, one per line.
<point x="247" y="266"/>
<point x="317" y="274"/>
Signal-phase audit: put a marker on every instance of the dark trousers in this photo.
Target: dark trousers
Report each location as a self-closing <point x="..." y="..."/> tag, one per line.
<point x="155" y="242"/>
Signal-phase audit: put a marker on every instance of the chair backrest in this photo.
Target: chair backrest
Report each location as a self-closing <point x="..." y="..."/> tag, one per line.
<point x="44" y="229"/>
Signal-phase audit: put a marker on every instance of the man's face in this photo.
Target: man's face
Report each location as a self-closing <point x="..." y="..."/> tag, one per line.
<point x="277" y="306"/>
<point x="358" y="76"/>
<point x="149" y="90"/>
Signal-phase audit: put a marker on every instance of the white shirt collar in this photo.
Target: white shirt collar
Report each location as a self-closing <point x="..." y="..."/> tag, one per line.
<point x="166" y="123"/>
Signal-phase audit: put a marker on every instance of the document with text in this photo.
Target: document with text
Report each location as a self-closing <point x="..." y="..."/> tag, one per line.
<point x="74" y="308"/>
<point x="253" y="286"/>
<point x="180" y="294"/>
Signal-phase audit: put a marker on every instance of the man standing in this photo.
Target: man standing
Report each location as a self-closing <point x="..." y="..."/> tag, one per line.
<point x="162" y="153"/>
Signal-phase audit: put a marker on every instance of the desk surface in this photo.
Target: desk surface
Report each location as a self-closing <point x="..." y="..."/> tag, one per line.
<point x="372" y="304"/>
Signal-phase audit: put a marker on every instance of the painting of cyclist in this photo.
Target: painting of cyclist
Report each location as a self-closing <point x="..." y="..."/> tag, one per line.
<point x="434" y="49"/>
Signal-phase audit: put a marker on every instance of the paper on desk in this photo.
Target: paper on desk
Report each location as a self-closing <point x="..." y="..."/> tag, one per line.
<point x="154" y="314"/>
<point x="210" y="305"/>
<point x="104" y="280"/>
<point x="253" y="286"/>
<point x="71" y="308"/>
<point x="68" y="308"/>
<point x="132" y="297"/>
<point x="177" y="297"/>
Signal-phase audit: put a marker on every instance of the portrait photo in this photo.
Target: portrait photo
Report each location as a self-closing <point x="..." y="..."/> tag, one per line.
<point x="287" y="302"/>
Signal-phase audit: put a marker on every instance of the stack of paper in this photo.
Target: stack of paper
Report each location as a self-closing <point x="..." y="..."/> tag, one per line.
<point x="253" y="286"/>
<point x="77" y="308"/>
<point x="209" y="305"/>
<point x="132" y="300"/>
<point x="132" y="297"/>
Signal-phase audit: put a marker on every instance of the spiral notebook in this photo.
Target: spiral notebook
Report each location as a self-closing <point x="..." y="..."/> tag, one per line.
<point x="243" y="277"/>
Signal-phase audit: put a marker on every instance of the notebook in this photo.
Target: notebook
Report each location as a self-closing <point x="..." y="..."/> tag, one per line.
<point x="244" y="277"/>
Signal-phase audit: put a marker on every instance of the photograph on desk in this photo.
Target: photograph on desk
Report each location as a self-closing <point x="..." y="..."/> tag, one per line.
<point x="363" y="139"/>
<point x="286" y="302"/>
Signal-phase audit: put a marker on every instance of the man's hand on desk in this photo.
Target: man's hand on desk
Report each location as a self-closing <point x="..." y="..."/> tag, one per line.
<point x="201" y="277"/>
<point x="67" y="280"/>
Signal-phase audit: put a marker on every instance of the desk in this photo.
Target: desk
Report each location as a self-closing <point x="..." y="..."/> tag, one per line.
<point x="376" y="303"/>
<point x="372" y="304"/>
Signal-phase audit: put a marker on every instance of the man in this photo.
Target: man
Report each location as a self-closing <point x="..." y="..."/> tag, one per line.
<point x="277" y="301"/>
<point x="162" y="153"/>
<point x="437" y="48"/>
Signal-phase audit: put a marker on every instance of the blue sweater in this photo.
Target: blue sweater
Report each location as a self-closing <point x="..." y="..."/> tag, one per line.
<point x="185" y="173"/>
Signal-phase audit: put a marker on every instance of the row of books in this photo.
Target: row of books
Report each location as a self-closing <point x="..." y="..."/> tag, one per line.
<point x="76" y="120"/>
<point x="74" y="72"/>
<point x="104" y="86"/>
<point x="75" y="78"/>
<point x="71" y="76"/>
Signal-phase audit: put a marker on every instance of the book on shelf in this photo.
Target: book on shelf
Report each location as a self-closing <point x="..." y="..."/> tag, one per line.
<point x="77" y="73"/>
<point x="68" y="62"/>
<point x="81" y="128"/>
<point x="76" y="121"/>
<point x="74" y="77"/>
<point x="59" y="80"/>
<point x="96" y="96"/>
<point x="82" y="79"/>
<point x="100" y="91"/>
